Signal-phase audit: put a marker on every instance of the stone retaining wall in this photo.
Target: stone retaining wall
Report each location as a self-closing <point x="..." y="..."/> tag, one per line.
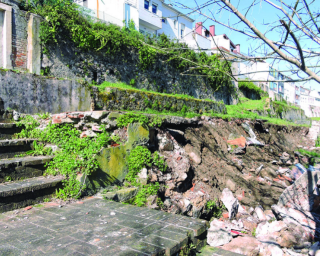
<point x="65" y="60"/>
<point x="121" y="99"/>
<point x="285" y="112"/>
<point x="31" y="94"/>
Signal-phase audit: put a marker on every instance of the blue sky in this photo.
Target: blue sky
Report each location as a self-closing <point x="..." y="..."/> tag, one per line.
<point x="263" y="16"/>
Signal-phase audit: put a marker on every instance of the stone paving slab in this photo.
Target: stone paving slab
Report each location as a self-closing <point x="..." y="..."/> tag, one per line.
<point x="95" y="227"/>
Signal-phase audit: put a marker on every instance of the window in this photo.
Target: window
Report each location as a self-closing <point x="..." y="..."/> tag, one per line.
<point x="273" y="86"/>
<point x="154" y="8"/>
<point x="164" y="20"/>
<point x="206" y="33"/>
<point x="175" y="24"/>
<point x="182" y="26"/>
<point x="146" y="4"/>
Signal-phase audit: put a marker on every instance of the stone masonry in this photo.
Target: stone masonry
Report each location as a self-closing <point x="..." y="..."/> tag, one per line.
<point x="22" y="38"/>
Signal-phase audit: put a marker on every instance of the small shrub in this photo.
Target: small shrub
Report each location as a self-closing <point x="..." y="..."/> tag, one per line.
<point x="213" y="207"/>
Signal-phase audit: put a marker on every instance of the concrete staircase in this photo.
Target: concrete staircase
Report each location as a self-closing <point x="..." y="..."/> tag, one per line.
<point x="21" y="178"/>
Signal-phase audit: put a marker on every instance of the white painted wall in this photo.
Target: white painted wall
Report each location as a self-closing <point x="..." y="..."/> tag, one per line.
<point x="220" y="41"/>
<point x="172" y="31"/>
<point x="289" y="92"/>
<point x="249" y="67"/>
<point x="114" y="11"/>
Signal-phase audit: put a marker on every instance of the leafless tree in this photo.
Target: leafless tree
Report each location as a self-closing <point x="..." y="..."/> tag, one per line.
<point x="297" y="30"/>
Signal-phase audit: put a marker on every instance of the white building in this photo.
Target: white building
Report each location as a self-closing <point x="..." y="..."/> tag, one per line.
<point x="290" y="92"/>
<point x="151" y="17"/>
<point x="313" y="104"/>
<point x="175" y="24"/>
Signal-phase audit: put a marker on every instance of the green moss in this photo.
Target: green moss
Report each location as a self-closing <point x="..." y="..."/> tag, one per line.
<point x="113" y="161"/>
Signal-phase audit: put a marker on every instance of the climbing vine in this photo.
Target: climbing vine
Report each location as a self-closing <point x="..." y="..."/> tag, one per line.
<point x="139" y="158"/>
<point x="75" y="155"/>
<point x="64" y="18"/>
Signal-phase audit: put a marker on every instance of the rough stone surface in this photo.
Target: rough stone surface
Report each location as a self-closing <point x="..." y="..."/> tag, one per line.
<point x="116" y="98"/>
<point x="42" y="94"/>
<point x="121" y="195"/>
<point x="230" y="202"/>
<point x="160" y="77"/>
<point x="300" y="194"/>
<point x="112" y="160"/>
<point x="217" y="234"/>
<point x="244" y="245"/>
<point x="23" y="167"/>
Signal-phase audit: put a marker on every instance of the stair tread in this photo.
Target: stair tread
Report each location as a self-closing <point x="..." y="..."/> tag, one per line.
<point x="26" y="160"/>
<point x="7" y="125"/>
<point x="15" y="142"/>
<point x="31" y="184"/>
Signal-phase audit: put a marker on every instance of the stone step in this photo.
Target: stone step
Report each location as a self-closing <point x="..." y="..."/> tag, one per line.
<point x="11" y="148"/>
<point x="19" y="194"/>
<point x="7" y="130"/>
<point x="22" y="167"/>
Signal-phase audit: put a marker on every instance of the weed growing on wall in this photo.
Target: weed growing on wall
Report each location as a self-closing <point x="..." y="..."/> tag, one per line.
<point x="129" y="118"/>
<point x="214" y="208"/>
<point x="67" y="19"/>
<point x="248" y="86"/>
<point x="139" y="158"/>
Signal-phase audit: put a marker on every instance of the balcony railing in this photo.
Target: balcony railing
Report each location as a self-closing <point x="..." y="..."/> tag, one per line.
<point x="132" y="3"/>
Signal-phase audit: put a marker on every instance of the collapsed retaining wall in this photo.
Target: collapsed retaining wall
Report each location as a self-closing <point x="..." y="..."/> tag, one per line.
<point x="31" y="94"/>
<point x="124" y="99"/>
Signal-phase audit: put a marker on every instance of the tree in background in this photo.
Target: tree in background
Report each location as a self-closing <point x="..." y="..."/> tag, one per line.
<point x="296" y="29"/>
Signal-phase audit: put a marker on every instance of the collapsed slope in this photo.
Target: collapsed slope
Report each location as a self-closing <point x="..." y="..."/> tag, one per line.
<point x="215" y="164"/>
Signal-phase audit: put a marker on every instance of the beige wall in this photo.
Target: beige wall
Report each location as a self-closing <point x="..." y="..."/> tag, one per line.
<point x="6" y="35"/>
<point x="34" y="49"/>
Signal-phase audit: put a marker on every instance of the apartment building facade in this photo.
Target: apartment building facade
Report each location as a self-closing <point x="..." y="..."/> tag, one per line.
<point x="151" y="17"/>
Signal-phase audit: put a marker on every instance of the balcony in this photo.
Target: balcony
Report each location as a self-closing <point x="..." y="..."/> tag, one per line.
<point x="131" y="2"/>
<point x="148" y="18"/>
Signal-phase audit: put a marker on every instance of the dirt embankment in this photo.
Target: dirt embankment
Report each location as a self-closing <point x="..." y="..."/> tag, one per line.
<point x="241" y="155"/>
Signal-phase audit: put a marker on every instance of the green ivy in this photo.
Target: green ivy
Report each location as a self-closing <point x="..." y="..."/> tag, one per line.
<point x="213" y="207"/>
<point x="247" y="85"/>
<point x="75" y="155"/>
<point x="139" y="158"/>
<point x="124" y="120"/>
<point x="63" y="18"/>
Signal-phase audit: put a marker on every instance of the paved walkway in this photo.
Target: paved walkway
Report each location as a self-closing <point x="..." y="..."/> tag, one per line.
<point x="96" y="227"/>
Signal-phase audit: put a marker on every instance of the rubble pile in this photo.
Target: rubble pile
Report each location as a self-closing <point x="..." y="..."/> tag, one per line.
<point x="282" y="230"/>
<point x="204" y="155"/>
